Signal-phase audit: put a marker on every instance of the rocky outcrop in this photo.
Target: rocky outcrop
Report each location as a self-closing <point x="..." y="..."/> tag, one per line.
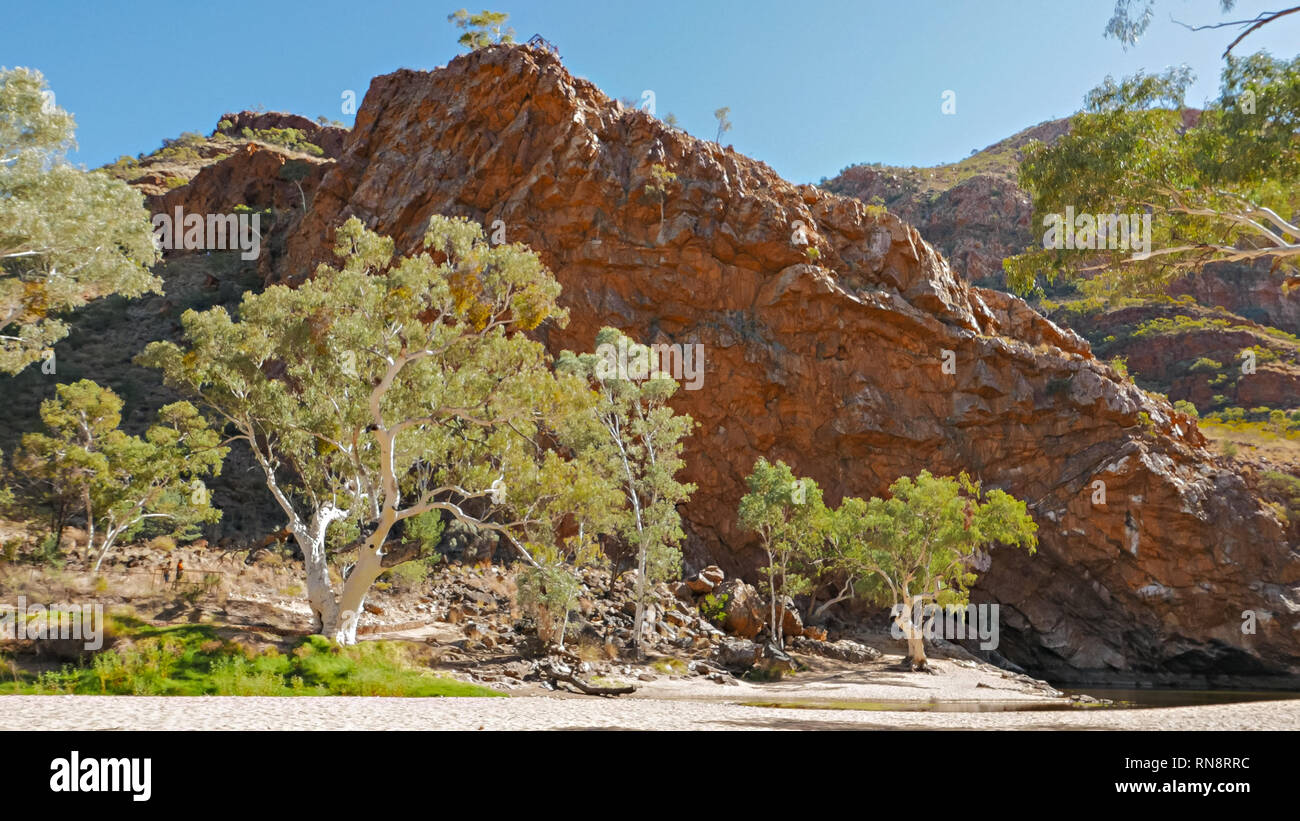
<point x="976" y="214"/>
<point x="972" y="211"/>
<point x="975" y="224"/>
<point x="835" y="362"/>
<point x="253" y="176"/>
<point x="329" y="138"/>
<point x="1197" y="355"/>
<point x="1252" y="291"/>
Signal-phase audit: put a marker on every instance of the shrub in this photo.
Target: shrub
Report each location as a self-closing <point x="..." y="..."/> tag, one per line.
<point x="1183" y="406"/>
<point x="408" y="575"/>
<point x="714" y="609"/>
<point x="291" y="138"/>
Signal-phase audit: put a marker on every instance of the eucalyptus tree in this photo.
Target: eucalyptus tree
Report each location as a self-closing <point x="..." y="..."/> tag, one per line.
<point x="1222" y="187"/>
<point x="389" y="387"/>
<point x="925" y="542"/>
<point x="788" y="515"/>
<point x="637" y="440"/>
<point x="482" y="29"/>
<point x="123" y="482"/>
<point x="67" y="236"/>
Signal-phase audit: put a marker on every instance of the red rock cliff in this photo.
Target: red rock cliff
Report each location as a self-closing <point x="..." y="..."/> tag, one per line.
<point x="834" y="364"/>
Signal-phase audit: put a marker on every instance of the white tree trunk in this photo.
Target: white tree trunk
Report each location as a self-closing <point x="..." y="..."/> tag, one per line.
<point x="914" y="635"/>
<point x="320" y="590"/>
<point x="638" y="623"/>
<point x="353" y="598"/>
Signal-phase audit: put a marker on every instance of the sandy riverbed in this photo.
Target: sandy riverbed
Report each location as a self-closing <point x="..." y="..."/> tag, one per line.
<point x="664" y="704"/>
<point x="551" y="713"/>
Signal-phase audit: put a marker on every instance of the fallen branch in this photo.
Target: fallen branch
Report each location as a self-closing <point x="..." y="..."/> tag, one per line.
<point x="561" y="673"/>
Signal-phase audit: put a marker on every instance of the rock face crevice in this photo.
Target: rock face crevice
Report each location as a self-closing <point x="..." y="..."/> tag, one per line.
<point x="834" y="360"/>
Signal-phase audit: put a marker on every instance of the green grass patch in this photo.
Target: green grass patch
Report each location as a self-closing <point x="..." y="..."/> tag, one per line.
<point x="191" y="660"/>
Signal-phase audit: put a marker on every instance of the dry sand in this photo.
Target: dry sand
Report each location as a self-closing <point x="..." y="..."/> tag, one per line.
<point x="551" y="713"/>
<point x="664" y="704"/>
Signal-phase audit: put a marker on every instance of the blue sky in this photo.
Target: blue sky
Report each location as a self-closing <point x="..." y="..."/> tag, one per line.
<point x="812" y="86"/>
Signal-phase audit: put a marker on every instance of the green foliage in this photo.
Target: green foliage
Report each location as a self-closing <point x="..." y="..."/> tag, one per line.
<point x="123" y="482"/>
<point x="291" y="138"/>
<point x="657" y="189"/>
<point x="1287" y="487"/>
<point x="67" y="236"/>
<point x="784" y="512"/>
<point x="1265" y="422"/>
<point x="403" y="385"/>
<point x="724" y="124"/>
<point x="714" y="608"/>
<point x="426" y="529"/>
<point x="635" y="439"/>
<point x="1222" y="190"/>
<point x="548" y="590"/>
<point x="482" y="29"/>
<point x="1183" y="406"/>
<point x="190" y="660"/>
<point x="921" y="545"/>
<point x="409" y="575"/>
<point x="1120" y="364"/>
<point x="1181" y="323"/>
<point x="925" y="539"/>
<point x="1203" y="364"/>
<point x="225" y="125"/>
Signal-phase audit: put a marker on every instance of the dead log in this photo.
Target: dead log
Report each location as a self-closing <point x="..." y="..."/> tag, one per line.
<point x="561" y="673"/>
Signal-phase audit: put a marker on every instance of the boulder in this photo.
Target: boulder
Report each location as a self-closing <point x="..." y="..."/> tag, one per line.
<point x="775" y="661"/>
<point x="699" y="584"/>
<point x="743" y="615"/>
<point x="791" y="623"/>
<point x="736" y="653"/>
<point x="842" y="650"/>
<point x="713" y="575"/>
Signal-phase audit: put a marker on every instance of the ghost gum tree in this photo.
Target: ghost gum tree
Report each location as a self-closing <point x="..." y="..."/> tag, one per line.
<point x="786" y="514"/>
<point x="122" y="482"/>
<point x="636" y="439"/>
<point x="1224" y="190"/>
<point x="391" y="387"/>
<point x="921" y="546"/>
<point x="925" y="543"/>
<point x="67" y="236"/>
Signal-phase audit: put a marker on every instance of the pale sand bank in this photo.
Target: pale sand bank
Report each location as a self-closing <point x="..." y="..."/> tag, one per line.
<point x="550" y="713"/>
